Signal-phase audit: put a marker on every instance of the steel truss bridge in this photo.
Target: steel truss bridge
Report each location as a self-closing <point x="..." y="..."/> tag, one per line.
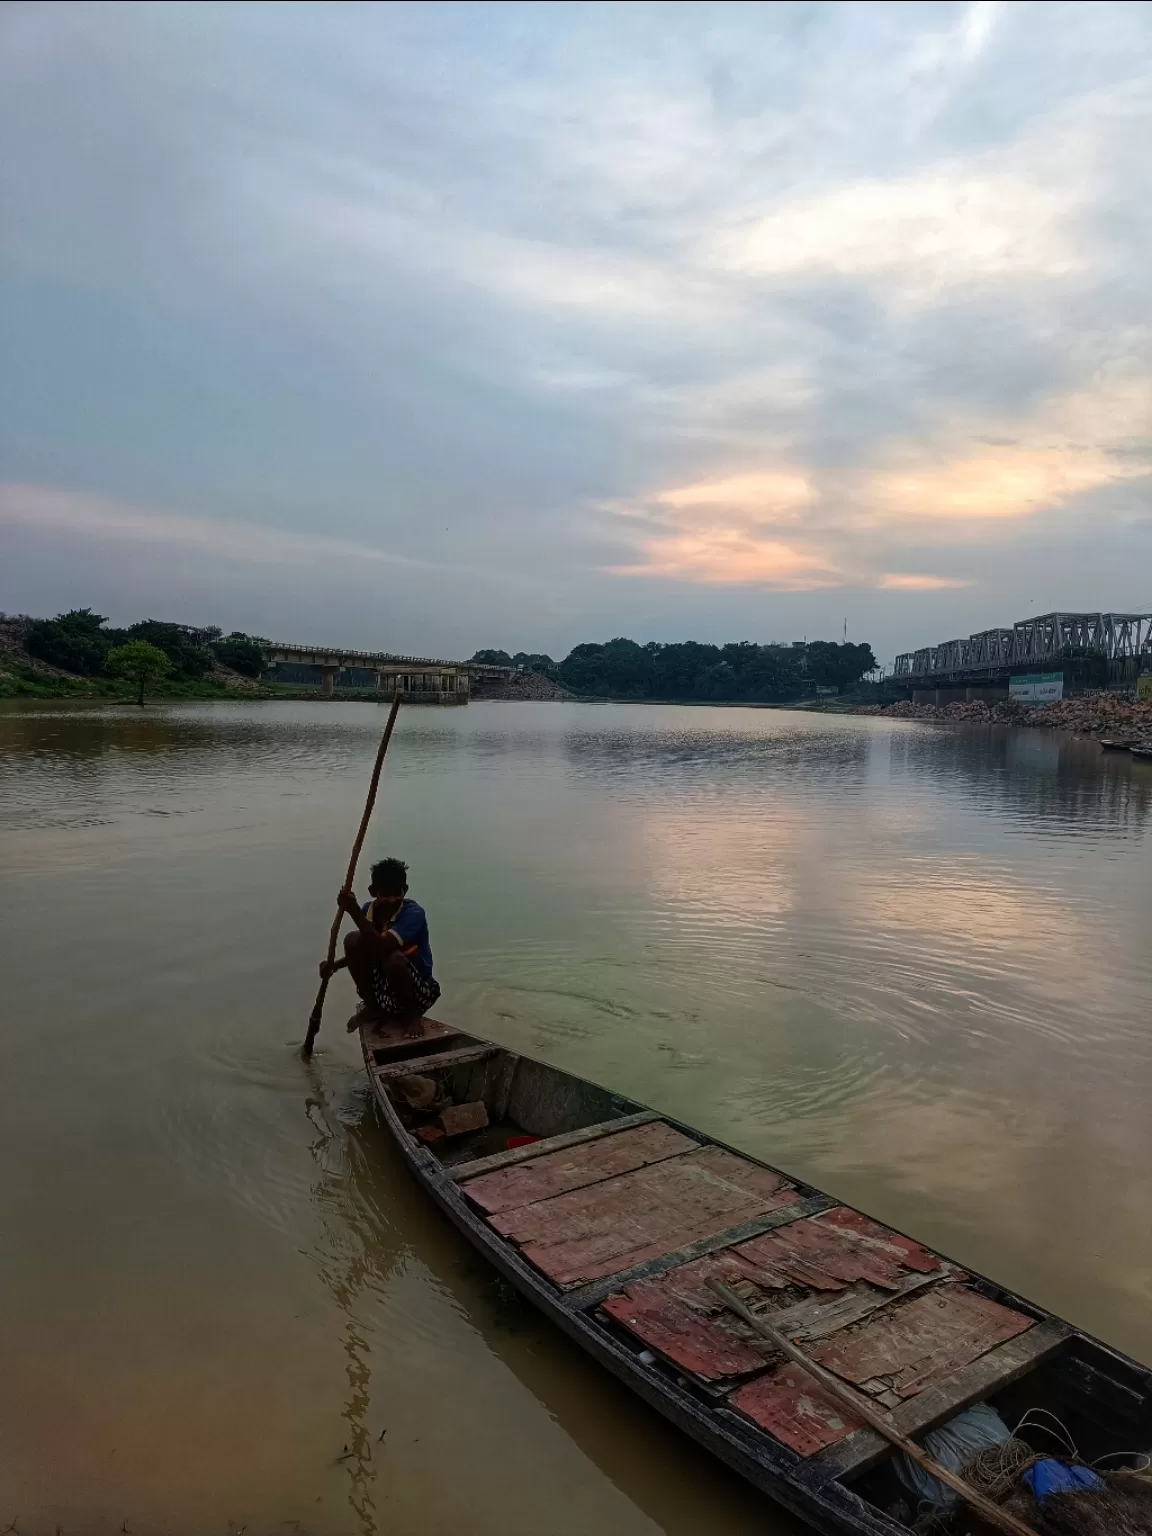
<point x="1123" y="639"/>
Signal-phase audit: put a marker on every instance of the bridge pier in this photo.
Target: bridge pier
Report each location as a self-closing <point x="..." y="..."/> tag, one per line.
<point x="328" y="676"/>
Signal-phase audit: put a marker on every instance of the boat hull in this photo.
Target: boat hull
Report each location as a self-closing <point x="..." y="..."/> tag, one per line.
<point x="814" y="1487"/>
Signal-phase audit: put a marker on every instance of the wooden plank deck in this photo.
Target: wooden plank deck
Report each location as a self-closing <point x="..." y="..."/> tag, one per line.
<point x="588" y="1233"/>
<point x="794" y="1408"/>
<point x="821" y="1254"/>
<point x="919" y="1343"/>
<point x="992" y="1372"/>
<point x="837" y="1248"/>
<point x="387" y="1040"/>
<point x="577" y="1167"/>
<point x="548" y="1144"/>
<point x="597" y="1291"/>
<point x="417" y="1065"/>
<point x="904" y="1351"/>
<point x="682" y="1334"/>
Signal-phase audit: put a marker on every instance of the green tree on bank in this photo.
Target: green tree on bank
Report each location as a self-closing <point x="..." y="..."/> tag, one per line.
<point x="741" y="670"/>
<point x="75" y="641"/>
<point x="80" y="642"/>
<point x="243" y="653"/>
<point x="140" y="662"/>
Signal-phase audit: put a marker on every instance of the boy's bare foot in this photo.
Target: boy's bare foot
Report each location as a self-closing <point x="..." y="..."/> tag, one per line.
<point x="414" y="1029"/>
<point x="367" y="1013"/>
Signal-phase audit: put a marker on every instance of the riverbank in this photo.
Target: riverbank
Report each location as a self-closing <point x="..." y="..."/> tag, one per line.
<point x="23" y="678"/>
<point x="1101" y="715"/>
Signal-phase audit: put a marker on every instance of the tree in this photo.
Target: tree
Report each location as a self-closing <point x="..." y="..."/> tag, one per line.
<point x="183" y="654"/>
<point x="535" y="661"/>
<point x="492" y="658"/>
<point x="689" y="669"/>
<point x="243" y="653"/>
<point x="139" y="662"/>
<point x="75" y="641"/>
<point x="833" y="665"/>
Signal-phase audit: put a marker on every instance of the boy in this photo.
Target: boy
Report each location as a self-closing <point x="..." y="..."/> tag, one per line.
<point x="389" y="956"/>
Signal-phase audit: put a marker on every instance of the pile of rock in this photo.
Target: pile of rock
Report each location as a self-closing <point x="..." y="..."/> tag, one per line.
<point x="1114" y="715"/>
<point x="519" y="685"/>
<point x="238" y="683"/>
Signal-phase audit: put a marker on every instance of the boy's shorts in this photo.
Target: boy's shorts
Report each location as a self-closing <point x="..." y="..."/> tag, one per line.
<point x="427" y="991"/>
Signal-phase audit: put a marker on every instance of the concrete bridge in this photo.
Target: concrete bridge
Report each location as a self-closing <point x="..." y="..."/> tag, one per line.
<point x="422" y="678"/>
<point x="1123" y="641"/>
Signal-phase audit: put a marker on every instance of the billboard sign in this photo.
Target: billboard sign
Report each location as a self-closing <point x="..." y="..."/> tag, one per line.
<point x="1037" y="688"/>
<point x="1144" y="688"/>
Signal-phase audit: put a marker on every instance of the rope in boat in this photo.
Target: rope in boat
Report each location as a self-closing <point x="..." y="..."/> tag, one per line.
<point x="997" y="1471"/>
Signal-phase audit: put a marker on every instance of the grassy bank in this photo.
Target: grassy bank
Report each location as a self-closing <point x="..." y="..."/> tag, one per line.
<point x="25" y="679"/>
<point x="20" y="679"/>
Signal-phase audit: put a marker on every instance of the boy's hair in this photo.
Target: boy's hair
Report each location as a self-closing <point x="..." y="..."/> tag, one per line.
<point x="390" y="875"/>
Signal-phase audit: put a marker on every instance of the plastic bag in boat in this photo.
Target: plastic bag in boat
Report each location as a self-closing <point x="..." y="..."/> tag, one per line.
<point x="952" y="1445"/>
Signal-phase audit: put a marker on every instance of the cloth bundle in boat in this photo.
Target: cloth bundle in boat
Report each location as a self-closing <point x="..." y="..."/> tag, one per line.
<point x="422" y="1094"/>
<point x="952" y="1445"/>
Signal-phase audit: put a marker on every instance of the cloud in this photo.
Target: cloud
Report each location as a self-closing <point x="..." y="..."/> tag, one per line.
<point x="808" y="300"/>
<point x="906" y="581"/>
<point x="781" y="495"/>
<point x="1088" y="440"/>
<point x="791" y="528"/>
<point x="101" y="518"/>
<point x="721" y="556"/>
<point x="949" y="226"/>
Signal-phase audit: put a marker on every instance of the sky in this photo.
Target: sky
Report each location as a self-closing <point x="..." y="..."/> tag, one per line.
<point x="443" y="326"/>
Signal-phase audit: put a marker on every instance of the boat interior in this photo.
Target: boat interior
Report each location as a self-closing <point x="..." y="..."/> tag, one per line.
<point x="624" y="1217"/>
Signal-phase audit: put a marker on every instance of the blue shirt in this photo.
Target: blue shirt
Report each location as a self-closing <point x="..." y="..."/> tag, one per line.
<point x="410" y="926"/>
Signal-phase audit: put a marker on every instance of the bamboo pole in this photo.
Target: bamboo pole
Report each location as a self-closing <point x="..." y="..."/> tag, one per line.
<point x="863" y="1409"/>
<point x="318" y="1006"/>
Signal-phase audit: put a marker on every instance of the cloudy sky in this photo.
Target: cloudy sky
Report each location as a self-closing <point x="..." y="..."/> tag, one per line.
<point x="438" y="326"/>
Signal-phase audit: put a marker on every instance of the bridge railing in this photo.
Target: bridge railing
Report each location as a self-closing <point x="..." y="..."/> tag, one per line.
<point x="1047" y="638"/>
<point x="345" y="655"/>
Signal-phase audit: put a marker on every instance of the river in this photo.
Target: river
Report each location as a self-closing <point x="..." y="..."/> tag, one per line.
<point x="907" y="962"/>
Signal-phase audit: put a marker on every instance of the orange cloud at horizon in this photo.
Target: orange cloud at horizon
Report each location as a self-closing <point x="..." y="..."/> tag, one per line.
<point x="786" y="527"/>
<point x="721" y="556"/>
<point x="908" y="581"/>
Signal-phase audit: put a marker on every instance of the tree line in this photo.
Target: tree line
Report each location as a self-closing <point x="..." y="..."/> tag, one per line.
<point x="80" y="641"/>
<point x="688" y="669"/>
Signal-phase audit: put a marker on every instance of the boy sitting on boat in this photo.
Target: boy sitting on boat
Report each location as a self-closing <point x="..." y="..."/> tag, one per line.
<point x="389" y="956"/>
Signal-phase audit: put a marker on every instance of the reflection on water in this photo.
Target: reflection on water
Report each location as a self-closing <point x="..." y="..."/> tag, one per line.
<point x="907" y="963"/>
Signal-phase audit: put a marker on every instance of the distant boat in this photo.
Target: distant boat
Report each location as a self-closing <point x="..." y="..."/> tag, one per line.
<point x="1116" y="743"/>
<point x="612" y="1218"/>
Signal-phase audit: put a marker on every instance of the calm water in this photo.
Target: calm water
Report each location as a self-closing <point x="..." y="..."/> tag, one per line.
<point x="908" y="963"/>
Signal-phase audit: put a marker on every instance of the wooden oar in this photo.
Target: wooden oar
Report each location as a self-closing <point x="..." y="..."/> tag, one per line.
<point x="318" y="1006"/>
<point x="864" y="1410"/>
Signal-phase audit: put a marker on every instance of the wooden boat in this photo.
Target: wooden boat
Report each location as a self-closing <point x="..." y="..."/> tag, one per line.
<point x="1116" y="743"/>
<point x="611" y="1218"/>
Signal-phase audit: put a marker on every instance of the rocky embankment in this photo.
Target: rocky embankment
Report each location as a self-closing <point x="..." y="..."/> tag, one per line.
<point x="1108" y="715"/>
<point x="521" y="685"/>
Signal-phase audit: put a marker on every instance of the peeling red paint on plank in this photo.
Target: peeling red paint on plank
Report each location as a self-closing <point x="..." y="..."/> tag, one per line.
<point x="589" y="1233"/>
<point x="679" y="1314"/>
<point x="795" y="1409"/>
<point x="681" y="1317"/>
<point x="576" y="1167"/>
<point x="828" y="1254"/>
<point x="881" y="1241"/>
<point x="920" y="1343"/>
<point x="656" y="1315"/>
